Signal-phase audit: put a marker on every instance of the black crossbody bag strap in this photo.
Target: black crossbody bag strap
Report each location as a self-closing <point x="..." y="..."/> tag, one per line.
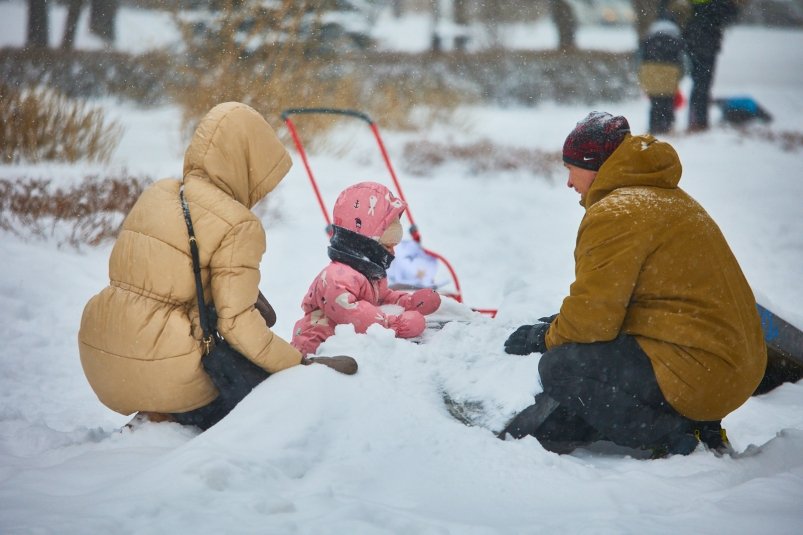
<point x="203" y="311"/>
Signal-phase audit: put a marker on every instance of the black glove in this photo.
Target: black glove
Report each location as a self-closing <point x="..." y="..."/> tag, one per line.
<point x="342" y="363"/>
<point x="548" y="319"/>
<point x="527" y="339"/>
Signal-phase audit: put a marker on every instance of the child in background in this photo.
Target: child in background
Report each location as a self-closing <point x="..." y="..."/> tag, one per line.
<point x="661" y="69"/>
<point x="353" y="287"/>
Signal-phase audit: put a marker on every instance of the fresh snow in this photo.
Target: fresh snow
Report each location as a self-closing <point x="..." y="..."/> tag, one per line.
<point x="314" y="452"/>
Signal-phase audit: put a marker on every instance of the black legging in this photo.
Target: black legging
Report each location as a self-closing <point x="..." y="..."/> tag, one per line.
<point x="234" y="376"/>
<point x="702" y="76"/>
<point x="662" y="115"/>
<point x="612" y="387"/>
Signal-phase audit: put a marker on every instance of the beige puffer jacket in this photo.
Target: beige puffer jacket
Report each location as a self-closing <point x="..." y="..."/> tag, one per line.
<point x="140" y="337"/>
<point x="651" y="262"/>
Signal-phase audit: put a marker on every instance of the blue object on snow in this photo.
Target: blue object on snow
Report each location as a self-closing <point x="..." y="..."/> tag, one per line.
<point x="741" y="109"/>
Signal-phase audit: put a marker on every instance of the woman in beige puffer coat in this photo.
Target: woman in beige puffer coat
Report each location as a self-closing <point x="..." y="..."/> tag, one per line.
<point x="140" y="337"/>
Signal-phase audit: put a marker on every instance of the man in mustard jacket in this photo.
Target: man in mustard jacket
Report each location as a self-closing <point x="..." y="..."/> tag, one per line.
<point x="140" y="338"/>
<point x="659" y="337"/>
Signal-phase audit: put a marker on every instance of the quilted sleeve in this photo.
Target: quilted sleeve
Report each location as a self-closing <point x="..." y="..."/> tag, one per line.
<point x="235" y="286"/>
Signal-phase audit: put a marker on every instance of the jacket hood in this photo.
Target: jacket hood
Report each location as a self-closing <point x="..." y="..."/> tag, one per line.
<point x="367" y="208"/>
<point x="638" y="161"/>
<point x="238" y="151"/>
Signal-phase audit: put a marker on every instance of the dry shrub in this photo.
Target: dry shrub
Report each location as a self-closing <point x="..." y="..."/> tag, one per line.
<point x="482" y="157"/>
<point x="789" y="141"/>
<point x="86" y="213"/>
<point x="394" y="100"/>
<point x="266" y="57"/>
<point x="241" y="53"/>
<point x="42" y="125"/>
<point x="85" y="74"/>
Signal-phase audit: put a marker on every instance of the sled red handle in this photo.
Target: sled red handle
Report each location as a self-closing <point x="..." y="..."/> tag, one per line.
<point x="414" y="232"/>
<point x="300" y="147"/>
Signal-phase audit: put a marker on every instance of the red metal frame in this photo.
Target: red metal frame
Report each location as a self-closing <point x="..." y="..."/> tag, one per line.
<point x="414" y="231"/>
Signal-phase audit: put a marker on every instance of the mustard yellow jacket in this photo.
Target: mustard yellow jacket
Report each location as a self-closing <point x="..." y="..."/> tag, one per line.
<point x="650" y="262"/>
<point x="140" y="337"/>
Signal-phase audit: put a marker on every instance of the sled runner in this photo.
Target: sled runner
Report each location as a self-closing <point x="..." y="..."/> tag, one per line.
<point x="784" y="351"/>
<point x="415" y="266"/>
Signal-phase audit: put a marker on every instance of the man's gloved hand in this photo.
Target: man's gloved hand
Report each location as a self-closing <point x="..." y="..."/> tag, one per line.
<point x="407" y="324"/>
<point x="426" y="301"/>
<point x="548" y="319"/>
<point x="265" y="310"/>
<point x="527" y="339"/>
<point x="341" y="363"/>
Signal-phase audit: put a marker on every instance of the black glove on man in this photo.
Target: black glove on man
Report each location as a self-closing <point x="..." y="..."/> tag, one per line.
<point x="529" y="338"/>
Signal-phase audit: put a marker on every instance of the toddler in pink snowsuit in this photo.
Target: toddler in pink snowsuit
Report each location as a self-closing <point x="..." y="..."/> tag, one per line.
<point x="354" y="285"/>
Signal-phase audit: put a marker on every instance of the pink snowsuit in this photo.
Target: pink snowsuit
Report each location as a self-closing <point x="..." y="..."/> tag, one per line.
<point x="341" y="294"/>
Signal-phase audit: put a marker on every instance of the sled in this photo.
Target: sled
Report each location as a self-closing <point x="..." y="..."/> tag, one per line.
<point x="784" y="351"/>
<point x="415" y="265"/>
<point x="742" y="109"/>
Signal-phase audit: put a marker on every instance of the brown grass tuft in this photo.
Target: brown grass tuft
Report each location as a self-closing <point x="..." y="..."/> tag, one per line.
<point x="42" y="125"/>
<point x="86" y="213"/>
<point x="482" y="157"/>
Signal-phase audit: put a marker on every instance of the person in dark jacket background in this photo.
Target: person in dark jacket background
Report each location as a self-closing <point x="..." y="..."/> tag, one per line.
<point x="659" y="337"/>
<point x="703" y="36"/>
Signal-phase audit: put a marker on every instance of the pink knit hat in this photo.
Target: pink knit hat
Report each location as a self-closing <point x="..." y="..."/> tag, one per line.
<point x="367" y="208"/>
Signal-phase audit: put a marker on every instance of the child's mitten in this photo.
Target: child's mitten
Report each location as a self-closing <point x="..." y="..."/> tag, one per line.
<point x="407" y="324"/>
<point x="426" y="301"/>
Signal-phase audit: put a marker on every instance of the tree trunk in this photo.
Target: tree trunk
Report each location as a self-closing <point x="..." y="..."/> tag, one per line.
<point x="566" y="23"/>
<point x="38" y="26"/>
<point x="461" y="20"/>
<point x="646" y="12"/>
<point x="71" y="26"/>
<point x="436" y="43"/>
<point x="102" y="17"/>
<point x="398" y="8"/>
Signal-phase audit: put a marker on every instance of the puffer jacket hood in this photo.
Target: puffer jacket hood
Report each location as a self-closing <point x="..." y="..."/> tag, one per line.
<point x="638" y="161"/>
<point x="238" y="151"/>
<point x="367" y="208"/>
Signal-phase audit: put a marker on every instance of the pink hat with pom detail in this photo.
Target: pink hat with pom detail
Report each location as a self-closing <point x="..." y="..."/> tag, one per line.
<point x="367" y="208"/>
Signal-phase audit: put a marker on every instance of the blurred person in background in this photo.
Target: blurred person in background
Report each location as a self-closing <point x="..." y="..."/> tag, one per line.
<point x="703" y="36"/>
<point x="661" y="66"/>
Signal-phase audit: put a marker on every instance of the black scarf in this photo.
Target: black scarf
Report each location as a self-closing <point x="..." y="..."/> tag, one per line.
<point x="359" y="252"/>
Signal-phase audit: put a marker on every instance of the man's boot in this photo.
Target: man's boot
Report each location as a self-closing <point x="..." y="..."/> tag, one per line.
<point x="530" y="419"/>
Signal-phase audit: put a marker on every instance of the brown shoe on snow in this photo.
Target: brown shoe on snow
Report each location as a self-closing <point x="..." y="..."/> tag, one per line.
<point x="265" y="310"/>
<point x="144" y="416"/>
<point x="341" y="363"/>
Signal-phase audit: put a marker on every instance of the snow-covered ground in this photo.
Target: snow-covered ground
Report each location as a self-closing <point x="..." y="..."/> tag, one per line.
<point x="311" y="451"/>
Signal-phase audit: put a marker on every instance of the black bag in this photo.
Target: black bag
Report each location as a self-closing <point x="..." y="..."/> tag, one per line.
<point x="232" y="374"/>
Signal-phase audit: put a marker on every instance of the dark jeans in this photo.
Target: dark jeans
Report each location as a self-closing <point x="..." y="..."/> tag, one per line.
<point x="662" y="114"/>
<point x="234" y="376"/>
<point x="604" y="390"/>
<point x="702" y="76"/>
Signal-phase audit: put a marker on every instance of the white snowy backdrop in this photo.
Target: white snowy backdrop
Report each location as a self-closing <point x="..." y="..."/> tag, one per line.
<point x="311" y="451"/>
